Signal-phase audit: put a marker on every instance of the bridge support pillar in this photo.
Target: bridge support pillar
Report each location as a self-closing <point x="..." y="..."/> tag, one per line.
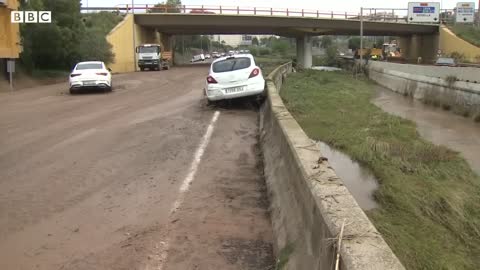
<point x="304" y="52"/>
<point x="420" y="46"/>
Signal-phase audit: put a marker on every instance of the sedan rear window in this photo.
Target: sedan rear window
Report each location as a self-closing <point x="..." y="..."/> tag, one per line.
<point x="446" y="61"/>
<point x="89" y="66"/>
<point x="231" y="64"/>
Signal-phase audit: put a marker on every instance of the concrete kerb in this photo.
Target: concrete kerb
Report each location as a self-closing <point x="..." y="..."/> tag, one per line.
<point x="309" y="203"/>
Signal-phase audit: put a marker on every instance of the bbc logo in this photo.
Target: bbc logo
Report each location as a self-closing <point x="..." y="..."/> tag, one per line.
<point x="31" y="16"/>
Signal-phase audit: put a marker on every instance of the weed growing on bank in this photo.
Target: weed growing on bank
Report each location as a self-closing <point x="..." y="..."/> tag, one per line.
<point x="429" y="196"/>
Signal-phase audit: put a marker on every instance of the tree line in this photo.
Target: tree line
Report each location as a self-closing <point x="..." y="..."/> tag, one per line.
<point x="70" y="38"/>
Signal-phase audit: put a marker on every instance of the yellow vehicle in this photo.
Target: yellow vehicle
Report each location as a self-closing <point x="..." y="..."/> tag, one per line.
<point x="362" y="52"/>
<point x="366" y="53"/>
<point x="376" y="54"/>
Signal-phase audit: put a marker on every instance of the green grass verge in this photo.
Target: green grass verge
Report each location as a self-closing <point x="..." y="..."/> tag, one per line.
<point x="268" y="64"/>
<point x="429" y="196"/>
<point x="469" y="33"/>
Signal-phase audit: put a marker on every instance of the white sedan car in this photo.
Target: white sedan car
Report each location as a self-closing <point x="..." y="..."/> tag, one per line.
<point x="234" y="77"/>
<point x="90" y="75"/>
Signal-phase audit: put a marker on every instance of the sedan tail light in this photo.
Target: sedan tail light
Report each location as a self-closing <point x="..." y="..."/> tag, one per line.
<point x="102" y="73"/>
<point x="210" y="79"/>
<point x="254" y="73"/>
<point x="74" y="75"/>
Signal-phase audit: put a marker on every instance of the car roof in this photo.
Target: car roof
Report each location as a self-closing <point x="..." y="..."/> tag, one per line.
<point x="234" y="56"/>
<point x="90" y="62"/>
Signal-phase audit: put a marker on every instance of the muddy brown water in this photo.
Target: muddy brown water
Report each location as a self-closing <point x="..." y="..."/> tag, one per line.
<point x="359" y="180"/>
<point x="435" y="124"/>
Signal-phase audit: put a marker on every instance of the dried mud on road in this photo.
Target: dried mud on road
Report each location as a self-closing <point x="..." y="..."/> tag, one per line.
<point x="89" y="181"/>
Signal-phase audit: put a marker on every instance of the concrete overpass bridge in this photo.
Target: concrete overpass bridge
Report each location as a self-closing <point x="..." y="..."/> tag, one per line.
<point x="159" y="24"/>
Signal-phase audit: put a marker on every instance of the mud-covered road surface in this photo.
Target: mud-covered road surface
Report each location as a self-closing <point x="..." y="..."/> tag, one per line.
<point x="145" y="177"/>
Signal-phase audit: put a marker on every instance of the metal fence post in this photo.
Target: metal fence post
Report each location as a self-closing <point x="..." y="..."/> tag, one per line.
<point x="318" y="15"/>
<point x="332" y="15"/>
<point x="346" y="17"/>
<point x="255" y="10"/>
<point x="238" y="10"/>
<point x="361" y="36"/>
<point x="220" y="9"/>
<point x="303" y="13"/>
<point x="271" y="11"/>
<point x="287" y="13"/>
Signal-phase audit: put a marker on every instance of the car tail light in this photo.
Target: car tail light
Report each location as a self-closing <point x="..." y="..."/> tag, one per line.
<point x="254" y="73"/>
<point x="210" y="79"/>
<point x="102" y="73"/>
<point x="74" y="75"/>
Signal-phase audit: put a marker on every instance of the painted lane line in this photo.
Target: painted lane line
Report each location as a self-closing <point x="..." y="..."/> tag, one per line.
<point x="165" y="245"/>
<point x="194" y="166"/>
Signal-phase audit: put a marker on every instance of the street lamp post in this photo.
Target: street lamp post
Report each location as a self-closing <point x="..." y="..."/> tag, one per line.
<point x="361" y="36"/>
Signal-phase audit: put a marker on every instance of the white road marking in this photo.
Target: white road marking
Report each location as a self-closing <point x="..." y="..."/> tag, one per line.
<point x="165" y="245"/>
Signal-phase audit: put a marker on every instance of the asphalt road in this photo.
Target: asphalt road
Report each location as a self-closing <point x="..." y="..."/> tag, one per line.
<point x="145" y="177"/>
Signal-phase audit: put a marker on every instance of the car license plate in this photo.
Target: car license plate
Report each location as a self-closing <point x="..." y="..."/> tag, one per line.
<point x="234" y="89"/>
<point x="88" y="83"/>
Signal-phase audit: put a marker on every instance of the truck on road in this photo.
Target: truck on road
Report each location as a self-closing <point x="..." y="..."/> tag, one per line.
<point x="152" y="57"/>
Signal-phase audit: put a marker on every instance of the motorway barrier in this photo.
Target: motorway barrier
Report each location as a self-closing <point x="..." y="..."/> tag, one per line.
<point x="309" y="204"/>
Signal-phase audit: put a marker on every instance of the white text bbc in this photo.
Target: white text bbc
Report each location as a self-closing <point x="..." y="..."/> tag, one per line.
<point x="31" y="17"/>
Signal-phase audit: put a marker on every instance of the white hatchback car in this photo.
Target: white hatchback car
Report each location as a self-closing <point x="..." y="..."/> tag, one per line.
<point x="90" y="75"/>
<point x="234" y="77"/>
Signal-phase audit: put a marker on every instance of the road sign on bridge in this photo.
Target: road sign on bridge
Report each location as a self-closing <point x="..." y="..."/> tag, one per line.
<point x="423" y="12"/>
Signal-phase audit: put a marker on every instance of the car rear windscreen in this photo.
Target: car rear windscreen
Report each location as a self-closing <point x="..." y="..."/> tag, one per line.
<point x="231" y="64"/>
<point x="89" y="66"/>
<point x="446" y="61"/>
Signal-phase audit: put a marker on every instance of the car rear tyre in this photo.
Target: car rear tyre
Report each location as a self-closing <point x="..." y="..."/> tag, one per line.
<point x="211" y="102"/>
<point x="73" y="92"/>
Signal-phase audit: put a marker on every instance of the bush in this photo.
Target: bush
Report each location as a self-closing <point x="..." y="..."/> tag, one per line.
<point x="70" y="38"/>
<point x="264" y="51"/>
<point x="459" y="57"/>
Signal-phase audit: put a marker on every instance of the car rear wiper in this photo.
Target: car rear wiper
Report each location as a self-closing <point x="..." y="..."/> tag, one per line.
<point x="233" y="66"/>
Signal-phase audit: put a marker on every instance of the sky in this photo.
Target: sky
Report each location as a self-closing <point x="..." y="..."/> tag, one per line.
<point x="322" y="5"/>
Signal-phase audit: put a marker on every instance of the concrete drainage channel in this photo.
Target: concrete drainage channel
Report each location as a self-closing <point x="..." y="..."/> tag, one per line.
<point x="310" y="206"/>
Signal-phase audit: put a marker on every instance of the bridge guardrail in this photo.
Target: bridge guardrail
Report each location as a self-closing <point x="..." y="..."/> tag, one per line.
<point x="396" y="15"/>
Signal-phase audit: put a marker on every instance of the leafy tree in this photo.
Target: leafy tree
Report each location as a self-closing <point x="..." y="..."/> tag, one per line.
<point x="354" y="43"/>
<point x="67" y="40"/>
<point x="280" y="46"/>
<point x="379" y="43"/>
<point x="169" y="6"/>
<point x="255" y="41"/>
<point x="331" y="55"/>
<point x="265" y="40"/>
<point x="326" y="41"/>
<point x="103" y="21"/>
